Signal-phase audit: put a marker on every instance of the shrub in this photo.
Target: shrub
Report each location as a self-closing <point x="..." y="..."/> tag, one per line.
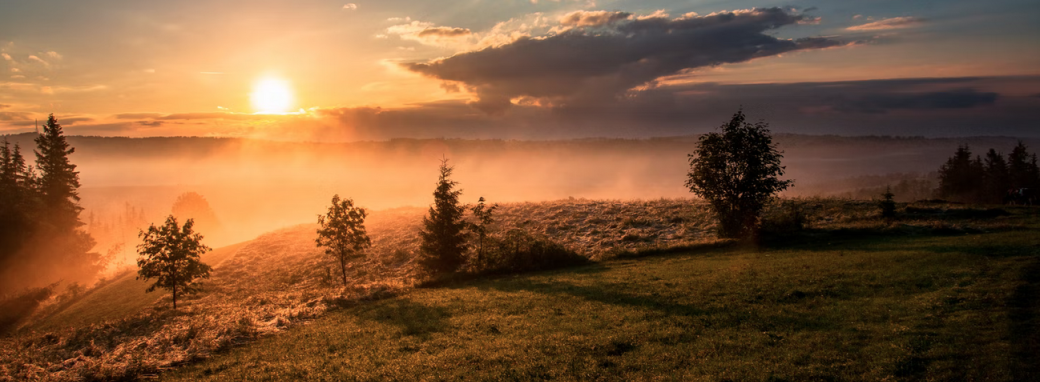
<point x="517" y="251"/>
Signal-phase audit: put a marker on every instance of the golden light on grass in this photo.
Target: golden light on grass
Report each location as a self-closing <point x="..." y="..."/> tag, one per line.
<point x="271" y="96"/>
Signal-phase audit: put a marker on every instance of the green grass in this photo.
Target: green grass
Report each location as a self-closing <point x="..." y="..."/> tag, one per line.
<point x="830" y="307"/>
<point x="119" y="298"/>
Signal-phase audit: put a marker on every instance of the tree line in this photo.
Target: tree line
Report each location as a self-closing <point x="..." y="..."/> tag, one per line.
<point x="990" y="179"/>
<point x="42" y="235"/>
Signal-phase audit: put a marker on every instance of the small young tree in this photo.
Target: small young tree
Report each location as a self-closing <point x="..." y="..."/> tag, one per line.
<point x="888" y="204"/>
<point x="342" y="232"/>
<point x="170" y="254"/>
<point x="737" y="171"/>
<point x="444" y="232"/>
<point x="484" y="217"/>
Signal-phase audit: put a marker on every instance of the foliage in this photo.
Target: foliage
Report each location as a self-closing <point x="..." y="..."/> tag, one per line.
<point x="993" y="180"/>
<point x="59" y="180"/>
<point x="737" y="172"/>
<point x="484" y="218"/>
<point x="784" y="217"/>
<point x="519" y="251"/>
<point x="42" y="240"/>
<point x="342" y="232"/>
<point x="170" y="254"/>
<point x="887" y="204"/>
<point x="444" y="232"/>
<point x="192" y="205"/>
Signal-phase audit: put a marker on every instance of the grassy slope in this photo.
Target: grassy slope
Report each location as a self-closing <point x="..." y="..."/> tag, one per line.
<point x="958" y="307"/>
<point x="120" y="298"/>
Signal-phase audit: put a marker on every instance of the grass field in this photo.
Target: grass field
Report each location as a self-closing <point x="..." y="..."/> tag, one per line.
<point x="825" y="306"/>
<point x="944" y="292"/>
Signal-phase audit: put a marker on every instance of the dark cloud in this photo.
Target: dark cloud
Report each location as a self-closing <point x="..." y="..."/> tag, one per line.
<point x="150" y="123"/>
<point x="444" y="32"/>
<point x="593" y="18"/>
<point x="582" y="65"/>
<point x="951" y="99"/>
<point x="15" y="116"/>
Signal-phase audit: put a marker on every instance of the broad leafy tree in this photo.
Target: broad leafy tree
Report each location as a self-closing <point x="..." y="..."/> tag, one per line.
<point x="444" y="232"/>
<point x="737" y="171"/>
<point x="342" y="232"/>
<point x="170" y="254"/>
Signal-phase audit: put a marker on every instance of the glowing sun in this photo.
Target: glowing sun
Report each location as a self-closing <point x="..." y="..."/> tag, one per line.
<point x="271" y="96"/>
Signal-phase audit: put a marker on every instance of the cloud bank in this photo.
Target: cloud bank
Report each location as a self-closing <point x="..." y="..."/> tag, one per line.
<point x="608" y="53"/>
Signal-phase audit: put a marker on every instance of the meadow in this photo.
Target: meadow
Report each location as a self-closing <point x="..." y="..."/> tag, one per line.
<point x="943" y="292"/>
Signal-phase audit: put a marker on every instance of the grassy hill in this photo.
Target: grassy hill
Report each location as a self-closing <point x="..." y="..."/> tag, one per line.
<point x="125" y="296"/>
<point x="832" y="307"/>
<point x="941" y="292"/>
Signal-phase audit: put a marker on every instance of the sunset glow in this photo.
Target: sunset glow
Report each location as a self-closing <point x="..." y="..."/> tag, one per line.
<point x="271" y="96"/>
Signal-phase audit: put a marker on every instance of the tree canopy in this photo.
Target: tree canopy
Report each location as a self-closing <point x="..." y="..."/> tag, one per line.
<point x="171" y="255"/>
<point x="342" y="232"/>
<point x="737" y="171"/>
<point x="444" y="232"/>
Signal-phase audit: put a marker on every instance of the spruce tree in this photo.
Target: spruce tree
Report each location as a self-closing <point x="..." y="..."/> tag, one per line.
<point x="59" y="180"/>
<point x="443" y="234"/>
<point x="995" y="178"/>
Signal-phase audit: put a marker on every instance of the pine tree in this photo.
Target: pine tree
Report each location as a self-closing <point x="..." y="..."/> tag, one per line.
<point x="171" y="255"/>
<point x="995" y="178"/>
<point x="960" y="176"/>
<point x="888" y="204"/>
<point x="59" y="180"/>
<point x="443" y="235"/>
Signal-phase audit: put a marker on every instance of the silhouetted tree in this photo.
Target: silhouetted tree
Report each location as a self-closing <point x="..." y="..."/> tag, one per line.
<point x="443" y="234"/>
<point x="342" y="232"/>
<point x="960" y="176"/>
<point x="192" y="205"/>
<point x="59" y="180"/>
<point x="888" y="204"/>
<point x="17" y="194"/>
<point x="1022" y="168"/>
<point x="484" y="217"/>
<point x="737" y="171"/>
<point x="995" y="181"/>
<point x="171" y="255"/>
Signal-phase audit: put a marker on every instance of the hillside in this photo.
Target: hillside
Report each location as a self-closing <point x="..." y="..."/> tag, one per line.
<point x="937" y="262"/>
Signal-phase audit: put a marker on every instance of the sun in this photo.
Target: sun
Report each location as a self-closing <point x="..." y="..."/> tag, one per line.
<point x="271" y="96"/>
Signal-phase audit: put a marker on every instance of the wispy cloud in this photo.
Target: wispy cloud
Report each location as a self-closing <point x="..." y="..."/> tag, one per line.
<point x="889" y="23"/>
<point x="350" y="7"/>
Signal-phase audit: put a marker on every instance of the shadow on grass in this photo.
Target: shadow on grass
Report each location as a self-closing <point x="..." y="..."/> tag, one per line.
<point x="412" y="318"/>
<point x="1025" y="325"/>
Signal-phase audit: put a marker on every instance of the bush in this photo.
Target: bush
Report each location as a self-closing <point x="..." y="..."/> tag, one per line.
<point x="785" y="217"/>
<point x="518" y="251"/>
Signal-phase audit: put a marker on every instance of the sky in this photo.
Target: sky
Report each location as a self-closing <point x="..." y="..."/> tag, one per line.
<point x="322" y="70"/>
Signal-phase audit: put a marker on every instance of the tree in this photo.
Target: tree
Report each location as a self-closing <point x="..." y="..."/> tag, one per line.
<point x="737" y="171"/>
<point x="342" y="232"/>
<point x="888" y="204"/>
<point x="59" y="180"/>
<point x="484" y="217"/>
<point x="16" y="197"/>
<point x="995" y="178"/>
<point x="960" y="176"/>
<point x="170" y="254"/>
<point x="443" y="234"/>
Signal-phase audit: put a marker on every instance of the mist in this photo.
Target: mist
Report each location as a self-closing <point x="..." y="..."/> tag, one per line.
<point x="256" y="186"/>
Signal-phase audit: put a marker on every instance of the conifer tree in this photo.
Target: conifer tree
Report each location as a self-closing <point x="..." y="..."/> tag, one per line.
<point x="59" y="180"/>
<point x="995" y="179"/>
<point x="443" y="234"/>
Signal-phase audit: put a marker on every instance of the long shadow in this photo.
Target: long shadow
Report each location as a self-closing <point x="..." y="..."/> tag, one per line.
<point x="1025" y="325"/>
<point x="414" y="319"/>
<point x="713" y="317"/>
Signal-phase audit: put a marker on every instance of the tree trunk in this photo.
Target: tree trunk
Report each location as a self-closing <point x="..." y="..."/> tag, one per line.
<point x="343" y="267"/>
<point x="174" y="297"/>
